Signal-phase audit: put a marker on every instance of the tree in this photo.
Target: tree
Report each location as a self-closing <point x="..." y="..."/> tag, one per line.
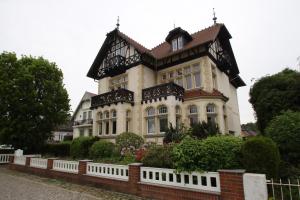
<point x="272" y="94"/>
<point x="33" y="101"/>
<point x="285" y="131"/>
<point x="250" y="126"/>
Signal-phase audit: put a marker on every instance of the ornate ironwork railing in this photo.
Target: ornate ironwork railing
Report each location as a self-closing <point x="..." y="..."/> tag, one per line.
<point x="82" y="122"/>
<point x="162" y="91"/>
<point x="120" y="95"/>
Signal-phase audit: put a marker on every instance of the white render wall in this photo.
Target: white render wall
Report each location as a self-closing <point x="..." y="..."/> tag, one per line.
<point x="255" y="186"/>
<point x="140" y="77"/>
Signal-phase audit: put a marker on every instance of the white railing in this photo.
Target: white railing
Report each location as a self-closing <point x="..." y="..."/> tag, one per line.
<point x="65" y="166"/>
<point x="38" y="163"/>
<point x="284" y="190"/>
<point x="209" y="181"/>
<point x="4" y="158"/>
<point x="107" y="170"/>
<point x="20" y="160"/>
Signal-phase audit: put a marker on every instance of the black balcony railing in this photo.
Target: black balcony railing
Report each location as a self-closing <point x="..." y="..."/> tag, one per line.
<point x="83" y="122"/>
<point x="162" y="91"/>
<point x="114" y="65"/>
<point x="120" y="95"/>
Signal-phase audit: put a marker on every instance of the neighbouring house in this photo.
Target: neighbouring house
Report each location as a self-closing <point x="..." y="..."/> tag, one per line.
<point x="82" y="117"/>
<point x="186" y="79"/>
<point x="61" y="131"/>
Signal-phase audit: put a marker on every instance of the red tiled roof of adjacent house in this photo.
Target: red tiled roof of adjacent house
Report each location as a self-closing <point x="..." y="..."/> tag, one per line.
<point x="200" y="37"/>
<point x="201" y="93"/>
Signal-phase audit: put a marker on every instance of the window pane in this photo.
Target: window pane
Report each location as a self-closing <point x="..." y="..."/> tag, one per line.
<point x="188" y="80"/>
<point x="197" y="79"/>
<point x="171" y="74"/>
<point x="180" y="43"/>
<point x="174" y="45"/>
<point x="84" y="116"/>
<point x="100" y="129"/>
<point x="114" y="128"/>
<point x="179" y="82"/>
<point x="163" y="110"/>
<point x="196" y="67"/>
<point x="163" y="124"/>
<point x="193" y="109"/>
<point x="107" y="128"/>
<point x="179" y="72"/>
<point x="151" y="112"/>
<point x="90" y="115"/>
<point x="187" y="70"/>
<point x="151" y="125"/>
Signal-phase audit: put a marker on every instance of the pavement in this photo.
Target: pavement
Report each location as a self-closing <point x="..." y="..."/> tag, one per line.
<point x="21" y="186"/>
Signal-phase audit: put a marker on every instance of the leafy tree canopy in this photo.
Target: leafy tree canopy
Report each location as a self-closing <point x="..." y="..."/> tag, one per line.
<point x="285" y="131"/>
<point x="33" y="100"/>
<point x="250" y="126"/>
<point x="272" y="94"/>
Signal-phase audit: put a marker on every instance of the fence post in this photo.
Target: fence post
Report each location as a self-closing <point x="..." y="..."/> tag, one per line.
<point x="11" y="158"/>
<point x="27" y="162"/>
<point x="82" y="166"/>
<point x="231" y="183"/>
<point x="134" y="177"/>
<point x="50" y="163"/>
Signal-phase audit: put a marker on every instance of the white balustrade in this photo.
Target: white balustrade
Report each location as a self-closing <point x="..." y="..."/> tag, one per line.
<point x="4" y="158"/>
<point x="38" y="163"/>
<point x="20" y="160"/>
<point x="65" y="166"/>
<point x="107" y="170"/>
<point x="209" y="181"/>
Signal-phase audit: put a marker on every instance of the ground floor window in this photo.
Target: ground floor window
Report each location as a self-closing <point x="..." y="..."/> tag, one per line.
<point x="163" y="124"/>
<point x="107" y="127"/>
<point x="81" y="132"/>
<point x="90" y="132"/>
<point x="151" y="125"/>
<point x="114" y="127"/>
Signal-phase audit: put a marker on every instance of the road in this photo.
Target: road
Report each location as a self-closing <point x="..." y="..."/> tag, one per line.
<point x="20" y="186"/>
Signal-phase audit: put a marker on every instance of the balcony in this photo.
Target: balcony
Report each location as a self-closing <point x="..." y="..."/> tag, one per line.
<point x="114" y="65"/>
<point x="83" y="122"/>
<point x="162" y="91"/>
<point x="120" y="95"/>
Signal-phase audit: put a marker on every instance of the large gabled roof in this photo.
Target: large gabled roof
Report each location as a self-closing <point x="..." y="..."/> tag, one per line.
<point x="87" y="95"/>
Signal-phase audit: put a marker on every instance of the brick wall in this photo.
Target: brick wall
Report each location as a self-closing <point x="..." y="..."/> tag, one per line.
<point x="231" y="183"/>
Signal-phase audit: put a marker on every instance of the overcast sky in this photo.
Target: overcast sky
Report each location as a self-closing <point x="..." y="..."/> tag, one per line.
<point x="266" y="34"/>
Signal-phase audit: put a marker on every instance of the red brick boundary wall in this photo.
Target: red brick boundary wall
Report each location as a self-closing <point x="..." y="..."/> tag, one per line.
<point x="231" y="182"/>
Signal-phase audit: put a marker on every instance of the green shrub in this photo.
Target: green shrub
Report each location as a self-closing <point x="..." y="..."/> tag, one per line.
<point x="128" y="140"/>
<point x="81" y="145"/>
<point x="260" y="155"/>
<point x="101" y="149"/>
<point x="58" y="149"/>
<point x="202" y="130"/>
<point x="159" y="156"/>
<point x="285" y="132"/>
<point x="68" y="137"/>
<point x="174" y="134"/>
<point x="211" y="154"/>
<point x="7" y="151"/>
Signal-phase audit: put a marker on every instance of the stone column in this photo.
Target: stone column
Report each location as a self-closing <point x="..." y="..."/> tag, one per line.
<point x="231" y="183"/>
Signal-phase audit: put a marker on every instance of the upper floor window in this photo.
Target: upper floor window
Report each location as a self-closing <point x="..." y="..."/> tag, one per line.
<point x="150" y="120"/>
<point x="177" y="43"/>
<point x="188" y="77"/>
<point x="193" y="114"/>
<point x="84" y="116"/>
<point x="118" y="82"/>
<point x="90" y="115"/>
<point x="211" y="113"/>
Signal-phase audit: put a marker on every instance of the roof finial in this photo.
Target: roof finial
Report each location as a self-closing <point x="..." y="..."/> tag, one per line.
<point x="214" y="18"/>
<point x="118" y="22"/>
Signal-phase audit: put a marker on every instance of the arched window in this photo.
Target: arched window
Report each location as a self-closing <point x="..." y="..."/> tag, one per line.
<point x="114" y="121"/>
<point x="211" y="113"/>
<point x="193" y="114"/>
<point x="106" y="122"/>
<point x="150" y="120"/>
<point x="178" y="115"/>
<point x="128" y="120"/>
<point x="163" y="118"/>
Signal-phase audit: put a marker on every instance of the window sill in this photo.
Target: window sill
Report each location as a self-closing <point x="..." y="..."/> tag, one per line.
<point x="154" y="135"/>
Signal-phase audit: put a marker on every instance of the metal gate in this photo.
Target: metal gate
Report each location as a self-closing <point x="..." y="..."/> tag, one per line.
<point x="284" y="190"/>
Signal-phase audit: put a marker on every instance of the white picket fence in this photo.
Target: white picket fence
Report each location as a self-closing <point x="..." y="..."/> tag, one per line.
<point x="4" y="158"/>
<point x="38" y="163"/>
<point x="20" y="160"/>
<point x="108" y="170"/>
<point x="65" y="166"/>
<point x="209" y="181"/>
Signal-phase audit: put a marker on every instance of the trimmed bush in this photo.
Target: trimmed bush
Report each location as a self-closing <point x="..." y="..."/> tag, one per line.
<point x="260" y="155"/>
<point x="81" y="145"/>
<point x="128" y="140"/>
<point x="101" y="149"/>
<point x="285" y="132"/>
<point x="58" y="149"/>
<point x="211" y="154"/>
<point x="159" y="156"/>
<point x="68" y="137"/>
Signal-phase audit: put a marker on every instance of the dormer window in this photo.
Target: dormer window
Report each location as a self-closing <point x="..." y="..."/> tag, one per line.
<point x="177" y="43"/>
